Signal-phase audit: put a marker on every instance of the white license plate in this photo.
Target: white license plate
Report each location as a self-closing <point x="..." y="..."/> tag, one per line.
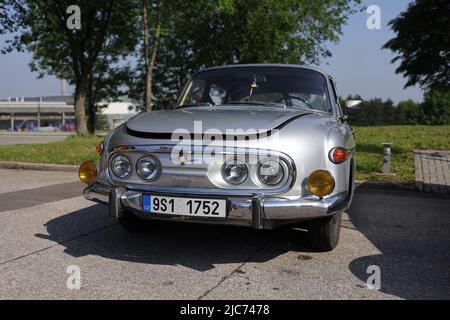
<point x="207" y="208"/>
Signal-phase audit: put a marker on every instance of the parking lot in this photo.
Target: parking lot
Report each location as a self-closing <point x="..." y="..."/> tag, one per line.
<point x="46" y="226"/>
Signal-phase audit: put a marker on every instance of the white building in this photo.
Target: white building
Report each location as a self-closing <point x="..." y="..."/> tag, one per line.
<point x="119" y="112"/>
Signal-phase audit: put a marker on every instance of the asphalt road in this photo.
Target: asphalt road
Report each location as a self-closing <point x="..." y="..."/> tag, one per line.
<point x="47" y="227"/>
<point x="6" y="139"/>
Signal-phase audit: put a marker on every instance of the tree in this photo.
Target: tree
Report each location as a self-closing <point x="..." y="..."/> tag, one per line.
<point x="150" y="50"/>
<point x="288" y="31"/>
<point x="107" y="84"/>
<point x="207" y="33"/>
<point x="373" y="112"/>
<point x="41" y="28"/>
<point x="408" y="112"/>
<point x="423" y="43"/>
<point x="436" y="107"/>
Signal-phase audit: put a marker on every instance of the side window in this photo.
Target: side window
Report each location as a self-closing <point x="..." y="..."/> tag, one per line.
<point x="336" y="97"/>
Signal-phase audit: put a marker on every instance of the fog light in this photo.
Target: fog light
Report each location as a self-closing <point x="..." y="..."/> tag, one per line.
<point x="87" y="172"/>
<point x="320" y="183"/>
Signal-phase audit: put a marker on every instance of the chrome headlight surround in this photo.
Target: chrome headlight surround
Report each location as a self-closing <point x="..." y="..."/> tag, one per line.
<point x="280" y="176"/>
<point x="233" y="164"/>
<point x="153" y="168"/>
<point x="124" y="158"/>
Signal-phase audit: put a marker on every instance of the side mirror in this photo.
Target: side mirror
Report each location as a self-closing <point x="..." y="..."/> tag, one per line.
<point x="352" y="103"/>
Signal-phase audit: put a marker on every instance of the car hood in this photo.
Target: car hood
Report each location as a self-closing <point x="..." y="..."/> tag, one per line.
<point x="219" y="118"/>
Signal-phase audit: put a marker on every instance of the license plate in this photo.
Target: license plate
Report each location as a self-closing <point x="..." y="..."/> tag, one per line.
<point x="208" y="208"/>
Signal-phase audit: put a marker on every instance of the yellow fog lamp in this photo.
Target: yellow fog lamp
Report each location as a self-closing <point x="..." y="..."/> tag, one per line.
<point x="88" y="172"/>
<point x="320" y="183"/>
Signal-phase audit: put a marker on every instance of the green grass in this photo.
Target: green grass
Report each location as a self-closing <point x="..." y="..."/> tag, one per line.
<point x="406" y="139"/>
<point x="369" y="155"/>
<point x="72" y="150"/>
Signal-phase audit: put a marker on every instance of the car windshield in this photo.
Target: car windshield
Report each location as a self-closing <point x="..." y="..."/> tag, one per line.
<point x="258" y="86"/>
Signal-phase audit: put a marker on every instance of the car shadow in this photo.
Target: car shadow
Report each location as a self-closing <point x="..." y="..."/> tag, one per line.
<point x="90" y="231"/>
<point x="411" y="230"/>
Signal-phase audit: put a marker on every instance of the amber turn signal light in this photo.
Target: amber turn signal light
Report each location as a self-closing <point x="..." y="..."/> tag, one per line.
<point x="320" y="183"/>
<point x="87" y="172"/>
<point x="99" y="148"/>
<point x="338" y="155"/>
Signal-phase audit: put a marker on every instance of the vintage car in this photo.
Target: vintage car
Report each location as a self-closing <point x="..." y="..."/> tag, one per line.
<point x="260" y="146"/>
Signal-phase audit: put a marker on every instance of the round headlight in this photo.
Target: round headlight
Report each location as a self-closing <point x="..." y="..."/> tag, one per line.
<point x="147" y="168"/>
<point x="270" y="172"/>
<point x="320" y="183"/>
<point x="121" y="166"/>
<point x="87" y="172"/>
<point x="235" y="172"/>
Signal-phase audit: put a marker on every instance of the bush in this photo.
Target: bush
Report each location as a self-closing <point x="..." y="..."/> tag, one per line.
<point x="374" y="112"/>
<point x="435" y="110"/>
<point x="436" y="107"/>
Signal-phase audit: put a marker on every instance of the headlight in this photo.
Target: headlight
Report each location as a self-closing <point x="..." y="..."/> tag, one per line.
<point x="121" y="166"/>
<point x="270" y="172"/>
<point x="320" y="183"/>
<point x="87" y="172"/>
<point x="147" y="168"/>
<point x="235" y="172"/>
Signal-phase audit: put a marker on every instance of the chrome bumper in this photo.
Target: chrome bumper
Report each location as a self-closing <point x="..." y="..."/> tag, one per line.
<point x="259" y="212"/>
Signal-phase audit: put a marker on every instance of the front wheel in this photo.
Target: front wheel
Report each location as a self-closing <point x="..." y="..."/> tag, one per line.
<point x="132" y="223"/>
<point x="324" y="233"/>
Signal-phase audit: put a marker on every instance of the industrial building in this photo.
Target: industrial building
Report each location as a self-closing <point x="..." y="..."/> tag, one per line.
<point x="21" y="114"/>
<point x="54" y="113"/>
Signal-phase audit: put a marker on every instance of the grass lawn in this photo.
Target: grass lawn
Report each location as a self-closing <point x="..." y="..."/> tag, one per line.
<point x="405" y="138"/>
<point x="72" y="150"/>
<point x="369" y="149"/>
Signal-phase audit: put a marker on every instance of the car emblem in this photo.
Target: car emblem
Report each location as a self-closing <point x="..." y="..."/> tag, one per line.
<point x="182" y="160"/>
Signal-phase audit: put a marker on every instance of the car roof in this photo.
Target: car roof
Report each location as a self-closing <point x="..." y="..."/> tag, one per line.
<point x="280" y="65"/>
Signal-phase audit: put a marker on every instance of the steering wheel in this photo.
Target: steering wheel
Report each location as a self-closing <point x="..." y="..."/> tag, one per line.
<point x="296" y="98"/>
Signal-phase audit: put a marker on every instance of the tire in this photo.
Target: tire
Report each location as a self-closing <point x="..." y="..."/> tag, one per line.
<point x="324" y="234"/>
<point x="130" y="222"/>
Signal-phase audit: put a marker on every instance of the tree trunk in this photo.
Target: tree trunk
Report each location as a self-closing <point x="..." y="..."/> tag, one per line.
<point x="150" y="60"/>
<point x="149" y="76"/>
<point x="148" y="80"/>
<point x="148" y="89"/>
<point x="92" y="112"/>
<point x="80" y="109"/>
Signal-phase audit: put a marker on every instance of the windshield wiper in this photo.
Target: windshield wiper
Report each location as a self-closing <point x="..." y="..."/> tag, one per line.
<point x="256" y="103"/>
<point x="200" y="104"/>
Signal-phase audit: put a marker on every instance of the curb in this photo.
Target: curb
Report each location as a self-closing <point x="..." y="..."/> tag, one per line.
<point x="38" y="166"/>
<point x="386" y="185"/>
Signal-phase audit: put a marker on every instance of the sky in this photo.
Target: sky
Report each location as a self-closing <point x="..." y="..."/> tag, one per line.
<point x="358" y="63"/>
<point x="360" y="66"/>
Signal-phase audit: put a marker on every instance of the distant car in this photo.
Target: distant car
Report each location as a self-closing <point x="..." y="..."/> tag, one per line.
<point x="260" y="146"/>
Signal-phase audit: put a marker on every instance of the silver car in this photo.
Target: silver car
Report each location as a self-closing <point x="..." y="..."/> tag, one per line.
<point x="261" y="146"/>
